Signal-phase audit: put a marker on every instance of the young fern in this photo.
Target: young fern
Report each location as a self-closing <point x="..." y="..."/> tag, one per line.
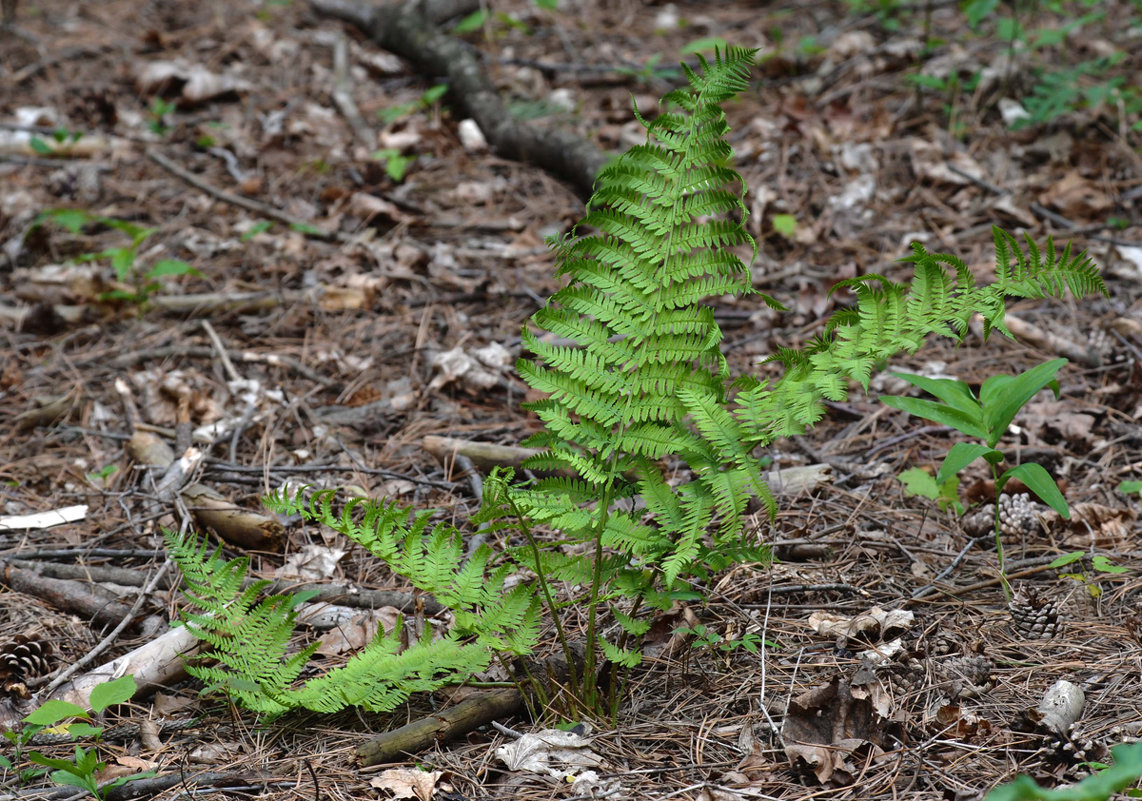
<point x="644" y="377"/>
<point x="249" y="638"/>
<point x="635" y="384"/>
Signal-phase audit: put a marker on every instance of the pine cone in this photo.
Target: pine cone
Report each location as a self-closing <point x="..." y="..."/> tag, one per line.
<point x="1035" y="617"/>
<point x="22" y="658"/>
<point x="1017" y="514"/>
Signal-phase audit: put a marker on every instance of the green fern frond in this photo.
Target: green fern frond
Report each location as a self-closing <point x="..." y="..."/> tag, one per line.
<point x="893" y="318"/>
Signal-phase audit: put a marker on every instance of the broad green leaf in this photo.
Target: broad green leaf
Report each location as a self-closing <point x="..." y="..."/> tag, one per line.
<point x="122" y="260"/>
<point x="70" y="779"/>
<point x="53" y="711"/>
<point x="305" y="228"/>
<point x="172" y="267"/>
<point x="960" y="456"/>
<point x="433" y="94"/>
<point x="1039" y="481"/>
<point x="1103" y="565"/>
<point x="77" y="730"/>
<point x="938" y="413"/>
<point x="40" y="146"/>
<point x="1067" y="559"/>
<point x="472" y="22"/>
<point x="784" y="224"/>
<point x="918" y="481"/>
<point x="51" y="762"/>
<point x="71" y="220"/>
<point x="955" y="393"/>
<point x="1002" y="396"/>
<point x="1130" y="487"/>
<point x="977" y="11"/>
<point x="110" y="693"/>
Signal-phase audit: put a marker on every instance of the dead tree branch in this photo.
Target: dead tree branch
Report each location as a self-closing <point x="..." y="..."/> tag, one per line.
<point x="409" y="31"/>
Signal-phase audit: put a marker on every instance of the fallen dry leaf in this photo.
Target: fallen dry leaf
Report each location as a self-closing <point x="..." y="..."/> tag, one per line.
<point x="408" y="782"/>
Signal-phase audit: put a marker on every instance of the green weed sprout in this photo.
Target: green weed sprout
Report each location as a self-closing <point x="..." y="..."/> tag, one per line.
<point x="82" y="769"/>
<point x="987" y="417"/>
<point x="123" y="259"/>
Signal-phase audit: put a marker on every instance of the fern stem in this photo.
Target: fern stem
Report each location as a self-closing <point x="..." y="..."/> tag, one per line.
<point x="589" y="680"/>
<point x="545" y="589"/>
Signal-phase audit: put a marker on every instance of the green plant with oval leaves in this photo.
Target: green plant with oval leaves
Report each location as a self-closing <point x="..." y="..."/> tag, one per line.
<point x="986" y="416"/>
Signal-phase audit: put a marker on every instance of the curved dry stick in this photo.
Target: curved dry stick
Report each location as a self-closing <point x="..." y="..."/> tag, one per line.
<point x="408" y="31"/>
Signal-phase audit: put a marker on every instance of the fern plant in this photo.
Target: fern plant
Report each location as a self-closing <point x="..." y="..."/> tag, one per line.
<point x="249" y="638"/>
<point x="648" y="441"/>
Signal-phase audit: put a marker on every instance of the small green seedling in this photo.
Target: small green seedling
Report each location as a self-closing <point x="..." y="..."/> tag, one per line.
<point x="62" y="137"/>
<point x="709" y="639"/>
<point x="784" y="224"/>
<point x="918" y="481"/>
<point x="431" y="95"/>
<point x="123" y="259"/>
<point x="987" y="417"/>
<point x="396" y="165"/>
<point x="1131" y="487"/>
<point x="1098" y="563"/>
<point x="159" y="111"/>
<point x="82" y="769"/>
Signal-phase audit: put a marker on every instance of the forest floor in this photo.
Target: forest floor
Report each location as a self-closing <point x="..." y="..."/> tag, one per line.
<point x="324" y="352"/>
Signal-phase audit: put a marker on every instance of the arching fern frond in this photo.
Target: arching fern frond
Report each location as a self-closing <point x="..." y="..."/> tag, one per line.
<point x="892" y="318"/>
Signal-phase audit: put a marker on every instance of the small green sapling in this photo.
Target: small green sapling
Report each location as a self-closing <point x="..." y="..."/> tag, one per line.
<point x="986" y="417"/>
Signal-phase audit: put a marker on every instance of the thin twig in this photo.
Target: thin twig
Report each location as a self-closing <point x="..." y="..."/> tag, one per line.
<point x="106" y="642"/>
<point x="245" y="202"/>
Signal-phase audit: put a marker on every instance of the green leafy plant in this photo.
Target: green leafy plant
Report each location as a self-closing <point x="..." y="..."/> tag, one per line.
<point x="918" y="481"/>
<point x="705" y="637"/>
<point x="80" y="771"/>
<point x="986" y="417"/>
<point x="1099" y="786"/>
<point x="426" y="100"/>
<point x="396" y="165"/>
<point x="1098" y="563"/>
<point x="1060" y="85"/>
<point x="62" y="137"/>
<point x="647" y="456"/>
<point x="249" y="635"/>
<point x="123" y="259"/>
<point x="159" y="113"/>
<point x="784" y="224"/>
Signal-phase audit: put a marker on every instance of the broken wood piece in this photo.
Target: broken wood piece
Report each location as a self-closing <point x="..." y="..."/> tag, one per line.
<point x="484" y="455"/>
<point x="1052" y="342"/>
<point x="443" y="727"/>
<point x="90" y="601"/>
<point x="155" y="665"/>
<point x="247" y="529"/>
<point x="342" y="594"/>
<point x="469" y="714"/>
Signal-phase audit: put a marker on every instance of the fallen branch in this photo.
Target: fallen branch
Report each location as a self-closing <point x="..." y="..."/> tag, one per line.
<point x="244" y="202"/>
<point x="455" y="722"/>
<point x="408" y="30"/>
<point x="486" y="455"/>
